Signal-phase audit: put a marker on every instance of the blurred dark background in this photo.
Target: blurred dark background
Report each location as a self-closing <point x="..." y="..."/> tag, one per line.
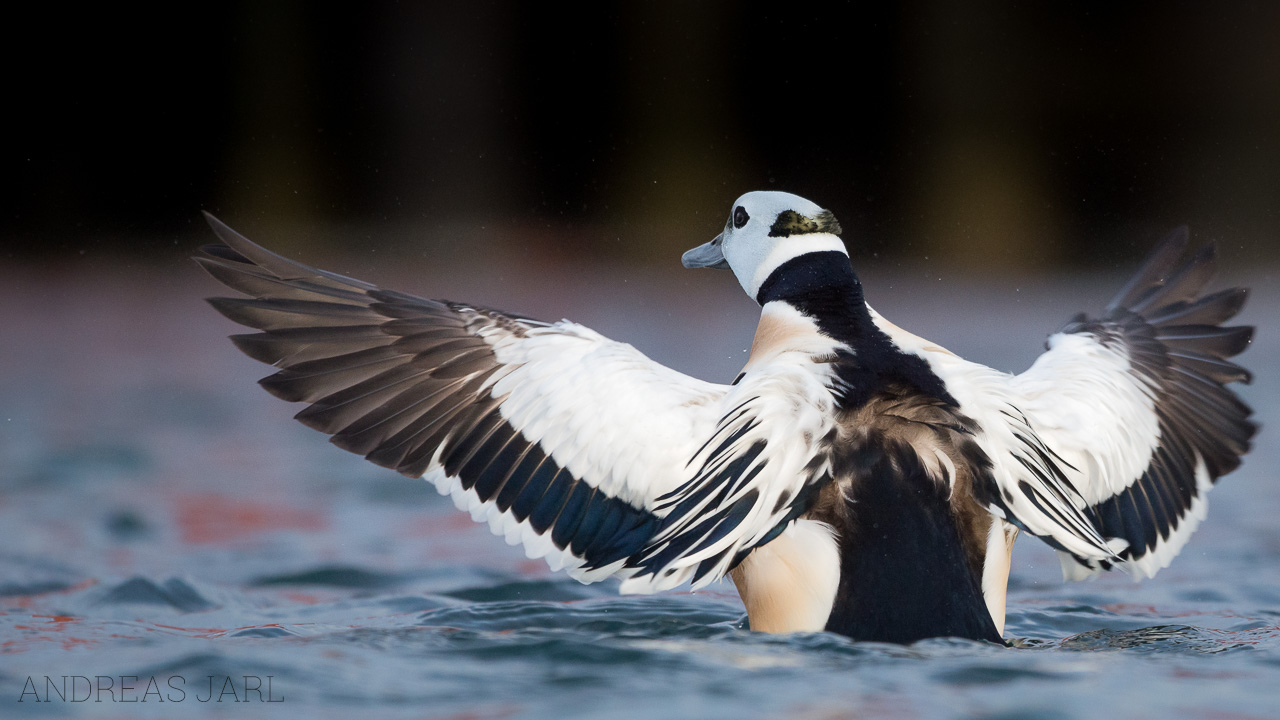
<point x="988" y="133"/>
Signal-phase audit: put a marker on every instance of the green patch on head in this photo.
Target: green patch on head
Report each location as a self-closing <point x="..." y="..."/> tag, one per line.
<point x="790" y="223"/>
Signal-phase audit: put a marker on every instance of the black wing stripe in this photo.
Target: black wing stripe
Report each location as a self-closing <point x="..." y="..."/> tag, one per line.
<point x="516" y="480"/>
<point x="1149" y="530"/>
<point x="1120" y="515"/>
<point x="608" y="543"/>
<point x="533" y="488"/>
<point x="571" y="515"/>
<point x="1161" y="493"/>
<point x="488" y="472"/>
<point x="423" y="444"/>
<point x="728" y="520"/>
<point x="468" y="444"/>
<point x="698" y="528"/>
<point x="543" y="515"/>
<point x="718" y="457"/>
<point x="591" y="524"/>
<point x="721" y="484"/>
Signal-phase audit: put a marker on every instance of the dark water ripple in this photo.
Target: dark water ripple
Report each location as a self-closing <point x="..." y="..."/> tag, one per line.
<point x="342" y="577"/>
<point x="1172" y="638"/>
<point x="173" y="592"/>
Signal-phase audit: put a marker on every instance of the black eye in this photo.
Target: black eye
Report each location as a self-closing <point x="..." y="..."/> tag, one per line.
<point x="740" y="216"/>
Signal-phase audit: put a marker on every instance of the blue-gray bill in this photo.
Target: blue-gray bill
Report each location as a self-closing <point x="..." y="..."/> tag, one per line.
<point x="708" y="255"/>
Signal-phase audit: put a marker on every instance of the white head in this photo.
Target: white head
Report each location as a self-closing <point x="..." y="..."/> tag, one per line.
<point x="765" y="229"/>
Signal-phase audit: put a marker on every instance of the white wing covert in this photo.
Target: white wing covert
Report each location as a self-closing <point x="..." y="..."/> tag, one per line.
<point x="579" y="447"/>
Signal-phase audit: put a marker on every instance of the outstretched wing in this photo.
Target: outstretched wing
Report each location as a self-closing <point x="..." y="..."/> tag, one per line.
<point x="1133" y="411"/>
<point x="1106" y="446"/>
<point x="581" y="448"/>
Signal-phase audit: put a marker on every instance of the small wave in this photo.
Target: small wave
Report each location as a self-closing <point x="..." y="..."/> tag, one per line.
<point x="1170" y="639"/>
<point x="175" y="593"/>
<point x="333" y="576"/>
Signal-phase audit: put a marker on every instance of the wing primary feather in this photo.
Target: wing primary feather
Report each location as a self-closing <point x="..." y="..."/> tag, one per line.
<point x="1183" y="283"/>
<point x="378" y="427"/>
<point x="1155" y="269"/>
<point x="1213" y="309"/>
<point x="281" y="267"/>
<point x="251" y="280"/>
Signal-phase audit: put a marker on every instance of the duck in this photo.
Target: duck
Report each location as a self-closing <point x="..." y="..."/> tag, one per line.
<point x="854" y="478"/>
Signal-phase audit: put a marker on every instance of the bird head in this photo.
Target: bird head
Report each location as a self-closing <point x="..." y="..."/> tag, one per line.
<point x="766" y="229"/>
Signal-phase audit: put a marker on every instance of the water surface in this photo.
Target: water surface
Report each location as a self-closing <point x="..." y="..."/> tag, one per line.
<point x="162" y="517"/>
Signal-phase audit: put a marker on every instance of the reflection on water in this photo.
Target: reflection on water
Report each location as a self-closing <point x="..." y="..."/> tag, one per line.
<point x="160" y="516"/>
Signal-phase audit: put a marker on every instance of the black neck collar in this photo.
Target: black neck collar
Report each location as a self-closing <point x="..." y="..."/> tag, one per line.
<point x="823" y="286"/>
<point x="809" y="275"/>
